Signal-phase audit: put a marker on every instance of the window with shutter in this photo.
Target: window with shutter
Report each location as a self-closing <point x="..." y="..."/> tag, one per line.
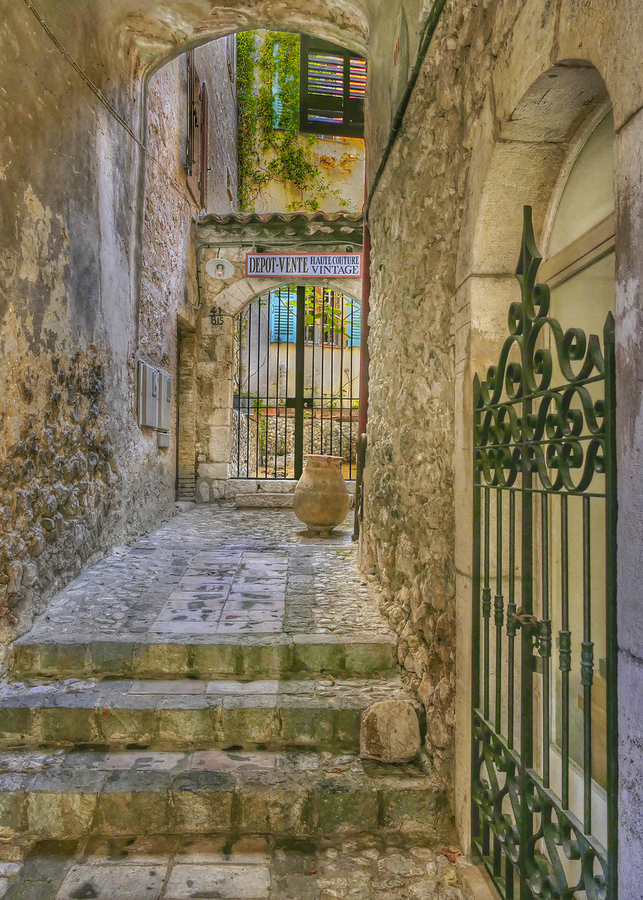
<point x="332" y="90"/>
<point x="354" y="325"/>
<point x="283" y="316"/>
<point x="205" y="126"/>
<point x="196" y="163"/>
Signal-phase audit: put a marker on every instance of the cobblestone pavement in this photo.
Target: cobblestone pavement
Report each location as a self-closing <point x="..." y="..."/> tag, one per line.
<point x="219" y="571"/>
<point x="173" y="868"/>
<point x="225" y="662"/>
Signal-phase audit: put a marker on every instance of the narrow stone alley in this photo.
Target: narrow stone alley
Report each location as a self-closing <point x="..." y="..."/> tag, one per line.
<point x="183" y="721"/>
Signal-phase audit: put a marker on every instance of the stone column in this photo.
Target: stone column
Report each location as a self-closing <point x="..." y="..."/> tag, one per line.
<point x="215" y="385"/>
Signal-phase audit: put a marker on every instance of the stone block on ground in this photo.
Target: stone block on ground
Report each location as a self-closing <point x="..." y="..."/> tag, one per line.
<point x="264" y="501"/>
<point x="390" y="732"/>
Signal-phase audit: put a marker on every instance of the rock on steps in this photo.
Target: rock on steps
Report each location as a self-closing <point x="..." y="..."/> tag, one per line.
<point x="179" y="714"/>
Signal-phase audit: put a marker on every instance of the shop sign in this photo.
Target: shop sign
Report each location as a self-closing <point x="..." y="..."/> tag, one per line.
<point x="303" y="265"/>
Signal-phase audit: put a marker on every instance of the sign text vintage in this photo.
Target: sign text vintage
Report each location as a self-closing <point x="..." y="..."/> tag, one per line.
<point x="303" y="265"/>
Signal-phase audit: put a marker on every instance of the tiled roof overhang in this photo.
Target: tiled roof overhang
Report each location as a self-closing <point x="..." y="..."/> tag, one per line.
<point x="274" y="230"/>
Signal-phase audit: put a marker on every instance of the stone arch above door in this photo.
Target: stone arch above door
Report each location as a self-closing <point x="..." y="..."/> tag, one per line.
<point x="517" y="162"/>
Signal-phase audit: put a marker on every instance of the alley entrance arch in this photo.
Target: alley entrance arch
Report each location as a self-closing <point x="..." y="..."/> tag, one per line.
<point x="209" y="399"/>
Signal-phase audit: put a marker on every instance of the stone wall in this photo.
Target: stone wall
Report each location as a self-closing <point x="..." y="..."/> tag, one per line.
<point x="408" y="532"/>
<point x="443" y="255"/>
<point x="96" y="264"/>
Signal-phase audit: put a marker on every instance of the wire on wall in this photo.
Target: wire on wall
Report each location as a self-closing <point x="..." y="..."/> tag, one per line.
<point x="106" y="103"/>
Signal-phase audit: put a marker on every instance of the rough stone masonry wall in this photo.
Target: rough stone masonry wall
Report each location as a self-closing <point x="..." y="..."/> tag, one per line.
<point x="65" y="319"/>
<point x="77" y="475"/>
<point x="408" y="536"/>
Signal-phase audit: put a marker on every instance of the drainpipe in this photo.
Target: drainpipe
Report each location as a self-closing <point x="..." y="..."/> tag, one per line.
<point x="363" y="383"/>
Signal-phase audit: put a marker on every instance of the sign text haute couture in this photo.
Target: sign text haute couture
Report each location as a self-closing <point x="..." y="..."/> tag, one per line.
<point x="303" y="265"/>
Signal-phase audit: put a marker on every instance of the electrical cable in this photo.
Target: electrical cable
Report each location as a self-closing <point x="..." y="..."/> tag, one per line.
<point x="103" y="99"/>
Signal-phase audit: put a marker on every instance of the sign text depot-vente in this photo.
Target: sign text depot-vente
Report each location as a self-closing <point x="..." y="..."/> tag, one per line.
<point x="304" y="265"/>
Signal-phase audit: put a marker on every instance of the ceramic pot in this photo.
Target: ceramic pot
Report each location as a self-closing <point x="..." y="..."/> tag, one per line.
<point x="321" y="498"/>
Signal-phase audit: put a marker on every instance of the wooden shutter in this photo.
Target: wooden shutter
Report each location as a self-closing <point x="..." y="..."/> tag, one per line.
<point x="283" y="316"/>
<point x="196" y="138"/>
<point x="189" y="150"/>
<point x="205" y="128"/>
<point x="332" y="89"/>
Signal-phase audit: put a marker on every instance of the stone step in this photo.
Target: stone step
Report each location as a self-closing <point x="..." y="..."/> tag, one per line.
<point x="324" y="715"/>
<point x="203" y="657"/>
<point x="264" y="500"/>
<point x="75" y="794"/>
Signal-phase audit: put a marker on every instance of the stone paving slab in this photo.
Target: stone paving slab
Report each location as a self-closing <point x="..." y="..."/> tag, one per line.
<point x="298" y="794"/>
<point x="184" y="573"/>
<point x="364" y="867"/>
<point x="323" y="714"/>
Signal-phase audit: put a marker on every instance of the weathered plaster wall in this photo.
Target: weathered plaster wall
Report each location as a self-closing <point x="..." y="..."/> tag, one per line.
<point x="77" y="309"/>
<point x="341" y="163"/>
<point x="66" y="319"/>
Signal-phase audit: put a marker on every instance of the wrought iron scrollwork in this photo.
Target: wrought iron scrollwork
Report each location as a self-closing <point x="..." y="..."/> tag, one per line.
<point x="561" y="439"/>
<point x="543" y="425"/>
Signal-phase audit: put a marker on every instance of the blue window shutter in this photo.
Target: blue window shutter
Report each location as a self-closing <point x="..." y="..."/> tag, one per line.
<point x="274" y="313"/>
<point x="283" y="316"/>
<point x="355" y="326"/>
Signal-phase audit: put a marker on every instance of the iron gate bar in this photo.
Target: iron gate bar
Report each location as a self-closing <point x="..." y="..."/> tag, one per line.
<point x="249" y="314"/>
<point x="529" y="439"/>
<point x="587" y="666"/>
<point x="611" y="511"/>
<point x="299" y="380"/>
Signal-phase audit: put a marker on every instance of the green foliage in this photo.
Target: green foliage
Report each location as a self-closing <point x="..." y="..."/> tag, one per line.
<point x="269" y="150"/>
<point x="247" y="111"/>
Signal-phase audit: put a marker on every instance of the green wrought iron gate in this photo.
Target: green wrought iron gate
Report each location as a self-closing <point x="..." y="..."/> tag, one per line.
<point x="544" y="782"/>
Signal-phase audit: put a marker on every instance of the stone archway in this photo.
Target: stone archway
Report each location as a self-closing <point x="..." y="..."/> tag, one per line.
<point x="522" y="166"/>
<point x="230" y="237"/>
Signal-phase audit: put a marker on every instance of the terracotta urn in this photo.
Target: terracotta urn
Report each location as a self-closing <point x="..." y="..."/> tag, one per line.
<point x="321" y="498"/>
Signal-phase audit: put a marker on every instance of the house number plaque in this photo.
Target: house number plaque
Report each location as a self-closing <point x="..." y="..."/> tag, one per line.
<point x="216" y="315"/>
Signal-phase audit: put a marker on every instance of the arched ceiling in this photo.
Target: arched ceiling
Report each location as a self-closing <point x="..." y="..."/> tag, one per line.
<point x="156" y="32"/>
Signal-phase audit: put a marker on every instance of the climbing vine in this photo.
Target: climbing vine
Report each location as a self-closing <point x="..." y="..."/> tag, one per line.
<point x="270" y="145"/>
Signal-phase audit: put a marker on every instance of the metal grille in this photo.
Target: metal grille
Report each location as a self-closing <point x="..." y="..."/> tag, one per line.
<point x="544" y="782"/>
<point x="296" y="386"/>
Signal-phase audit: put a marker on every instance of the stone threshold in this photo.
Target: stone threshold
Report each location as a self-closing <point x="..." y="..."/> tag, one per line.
<point x="202" y="656"/>
<point x="72" y="795"/>
<point x="324" y="715"/>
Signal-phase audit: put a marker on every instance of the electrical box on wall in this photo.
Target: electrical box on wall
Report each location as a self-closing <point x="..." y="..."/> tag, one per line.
<point x="164" y="402"/>
<point x="148" y="396"/>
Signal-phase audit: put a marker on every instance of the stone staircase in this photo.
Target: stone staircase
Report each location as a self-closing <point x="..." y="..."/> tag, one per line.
<point x="172" y="750"/>
<point x="87" y="751"/>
